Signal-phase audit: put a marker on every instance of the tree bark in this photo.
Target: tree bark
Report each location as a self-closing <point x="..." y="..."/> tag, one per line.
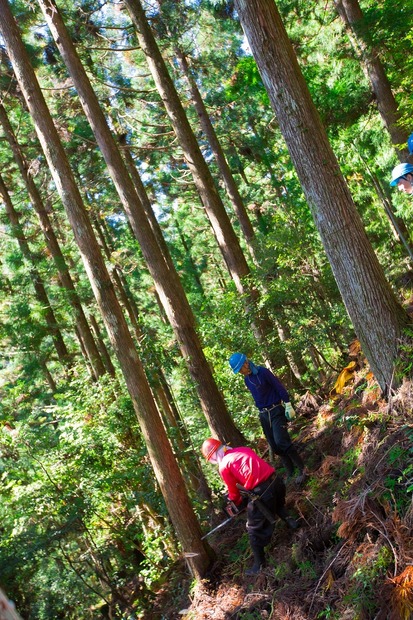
<point x="377" y="317"/>
<point x="160" y="265"/>
<point x="102" y="346"/>
<point x="352" y="16"/>
<point x="163" y="462"/>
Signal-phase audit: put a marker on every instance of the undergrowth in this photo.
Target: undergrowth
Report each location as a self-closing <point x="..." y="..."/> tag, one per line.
<point x="352" y="557"/>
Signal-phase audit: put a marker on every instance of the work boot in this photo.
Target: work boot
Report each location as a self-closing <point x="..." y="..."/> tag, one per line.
<point x="259" y="560"/>
<point x="288" y="466"/>
<point x="296" y="459"/>
<point x="283" y="514"/>
<point x="292" y="523"/>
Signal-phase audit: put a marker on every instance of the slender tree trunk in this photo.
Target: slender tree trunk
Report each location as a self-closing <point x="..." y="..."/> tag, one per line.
<point x="352" y="16"/>
<point x="91" y="350"/>
<point x="49" y="378"/>
<point x="102" y="346"/>
<point x="140" y="188"/>
<point x="398" y="225"/>
<point x="38" y="285"/>
<point x="160" y="266"/>
<point x="216" y="148"/>
<point x="163" y="462"/>
<point x="377" y="316"/>
<point x="218" y="217"/>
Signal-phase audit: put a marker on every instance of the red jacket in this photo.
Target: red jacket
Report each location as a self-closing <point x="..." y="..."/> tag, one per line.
<point x="242" y="465"/>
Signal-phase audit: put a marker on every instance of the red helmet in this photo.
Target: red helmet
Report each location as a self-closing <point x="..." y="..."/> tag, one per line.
<point x="209" y="447"/>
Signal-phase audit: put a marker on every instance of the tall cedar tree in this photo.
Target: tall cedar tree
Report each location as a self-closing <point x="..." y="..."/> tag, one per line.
<point x="377" y="317"/>
<point x="159" y="263"/>
<point x="352" y="16"/>
<point x="160" y="452"/>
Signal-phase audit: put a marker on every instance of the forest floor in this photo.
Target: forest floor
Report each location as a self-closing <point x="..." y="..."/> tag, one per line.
<point x="352" y="556"/>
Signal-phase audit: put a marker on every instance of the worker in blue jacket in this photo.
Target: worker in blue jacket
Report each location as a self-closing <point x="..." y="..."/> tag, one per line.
<point x="275" y="410"/>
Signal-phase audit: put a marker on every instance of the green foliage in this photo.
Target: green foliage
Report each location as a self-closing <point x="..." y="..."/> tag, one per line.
<point x="246" y="82"/>
<point x="404" y="365"/>
<point x="363" y="594"/>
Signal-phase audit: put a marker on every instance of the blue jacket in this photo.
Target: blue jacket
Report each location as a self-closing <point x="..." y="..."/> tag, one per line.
<point x="265" y="388"/>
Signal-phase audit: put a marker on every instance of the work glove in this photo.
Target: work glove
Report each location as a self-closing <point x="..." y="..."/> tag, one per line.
<point x="289" y="411"/>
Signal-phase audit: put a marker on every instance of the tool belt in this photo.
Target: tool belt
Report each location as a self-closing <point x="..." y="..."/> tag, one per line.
<point x="262" y="486"/>
<point x="270" y="408"/>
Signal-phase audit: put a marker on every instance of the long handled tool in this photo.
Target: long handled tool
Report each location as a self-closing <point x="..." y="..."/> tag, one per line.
<point x="218" y="527"/>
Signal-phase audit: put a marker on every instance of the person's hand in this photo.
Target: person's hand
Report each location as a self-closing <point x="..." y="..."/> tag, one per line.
<point x="289" y="411"/>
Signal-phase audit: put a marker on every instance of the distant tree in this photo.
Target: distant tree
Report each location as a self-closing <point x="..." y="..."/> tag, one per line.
<point x="353" y="18"/>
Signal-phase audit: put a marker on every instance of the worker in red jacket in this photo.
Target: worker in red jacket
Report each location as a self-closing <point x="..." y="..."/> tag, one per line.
<point x="244" y="467"/>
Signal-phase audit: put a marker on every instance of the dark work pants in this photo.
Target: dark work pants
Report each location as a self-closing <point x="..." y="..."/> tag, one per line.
<point x="274" y="425"/>
<point x="272" y="495"/>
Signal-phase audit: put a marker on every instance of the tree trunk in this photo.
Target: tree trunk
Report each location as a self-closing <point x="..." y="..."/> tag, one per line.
<point x="40" y="291"/>
<point x="49" y="377"/>
<point x="102" y="346"/>
<point x="215" y="210"/>
<point x="160" y="266"/>
<point x="216" y="148"/>
<point x="92" y="352"/>
<point x="352" y="16"/>
<point x="224" y="233"/>
<point x="377" y="316"/>
<point x="165" y="466"/>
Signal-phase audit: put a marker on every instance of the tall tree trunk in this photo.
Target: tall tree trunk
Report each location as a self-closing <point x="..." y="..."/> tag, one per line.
<point x="160" y="266"/>
<point x="377" y="316"/>
<point x="218" y="217"/>
<point x="221" y="225"/>
<point x="166" y="469"/>
<point x="92" y="352"/>
<point x="352" y="16"/>
<point x="38" y="285"/>
<point x="216" y="148"/>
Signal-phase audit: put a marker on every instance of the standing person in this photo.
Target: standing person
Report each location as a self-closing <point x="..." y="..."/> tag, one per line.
<point x="402" y="176"/>
<point x="244" y="467"/>
<point x="275" y="409"/>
